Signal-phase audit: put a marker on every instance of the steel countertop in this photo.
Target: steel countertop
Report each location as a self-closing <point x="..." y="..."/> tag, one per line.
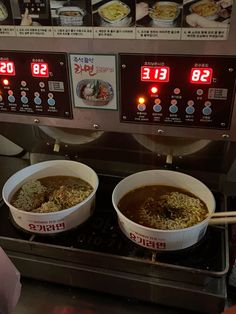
<point x="41" y="297"/>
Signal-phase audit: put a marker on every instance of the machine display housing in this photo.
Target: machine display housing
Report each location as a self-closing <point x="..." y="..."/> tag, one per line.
<point x="35" y="83"/>
<point x="198" y="92"/>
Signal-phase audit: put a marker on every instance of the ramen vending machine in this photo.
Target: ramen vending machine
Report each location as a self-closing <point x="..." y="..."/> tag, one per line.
<point x="122" y="87"/>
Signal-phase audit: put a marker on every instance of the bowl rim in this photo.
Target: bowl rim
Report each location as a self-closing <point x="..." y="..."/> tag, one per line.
<point x="49" y="213"/>
<point x="163" y="230"/>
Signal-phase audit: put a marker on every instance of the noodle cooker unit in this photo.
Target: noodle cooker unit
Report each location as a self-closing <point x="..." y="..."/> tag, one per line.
<point x="35" y="87"/>
<point x="174" y="99"/>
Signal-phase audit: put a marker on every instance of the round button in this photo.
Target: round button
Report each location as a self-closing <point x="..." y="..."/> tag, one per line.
<point x="41" y="84"/>
<point x="10" y="92"/>
<point x="190" y="103"/>
<point x="51" y="102"/>
<point x="207" y="111"/>
<point x="199" y="92"/>
<point x="141" y="107"/>
<point x="157" y="101"/>
<point x="50" y="95"/>
<point x="36" y="94"/>
<point x="173" y="109"/>
<point x="190" y="110"/>
<point x="23" y="83"/>
<point x="157" y="108"/>
<point x="24" y="100"/>
<point x="1" y="98"/>
<point x="23" y="93"/>
<point x="11" y="98"/>
<point x="37" y="101"/>
<point x="177" y="91"/>
<point x="173" y="102"/>
<point x="207" y="103"/>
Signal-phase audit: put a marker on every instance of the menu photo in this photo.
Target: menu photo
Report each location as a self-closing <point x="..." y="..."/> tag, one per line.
<point x="159" y="13"/>
<point x="31" y="13"/>
<point x="32" y="18"/>
<point x="5" y="13"/>
<point x="114" y="19"/>
<point x="71" y="13"/>
<point x="158" y="19"/>
<point x="6" y="19"/>
<point x="114" y="13"/>
<point x="206" y="19"/>
<point x="94" y="81"/>
<point x="72" y="18"/>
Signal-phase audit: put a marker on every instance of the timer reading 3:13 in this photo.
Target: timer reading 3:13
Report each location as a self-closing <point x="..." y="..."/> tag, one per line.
<point x="155" y="74"/>
<point x="162" y="74"/>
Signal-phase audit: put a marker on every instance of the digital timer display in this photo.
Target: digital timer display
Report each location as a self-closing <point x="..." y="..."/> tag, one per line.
<point x="7" y="68"/>
<point x="39" y="69"/>
<point x="201" y="75"/>
<point x="155" y="74"/>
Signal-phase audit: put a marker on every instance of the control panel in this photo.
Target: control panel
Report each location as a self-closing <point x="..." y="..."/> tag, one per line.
<point x="193" y="91"/>
<point x="35" y="83"/>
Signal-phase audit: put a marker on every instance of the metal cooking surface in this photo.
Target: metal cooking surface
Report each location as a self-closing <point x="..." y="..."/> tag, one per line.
<point x="101" y="234"/>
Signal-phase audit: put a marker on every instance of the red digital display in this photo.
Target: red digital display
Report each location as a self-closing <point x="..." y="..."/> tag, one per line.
<point x="201" y="75"/>
<point x="39" y="69"/>
<point x="155" y="74"/>
<point x="7" y="68"/>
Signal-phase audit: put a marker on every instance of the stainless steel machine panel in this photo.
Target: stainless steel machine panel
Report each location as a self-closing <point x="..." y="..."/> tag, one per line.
<point x="193" y="91"/>
<point x="35" y="83"/>
<point x="109" y="138"/>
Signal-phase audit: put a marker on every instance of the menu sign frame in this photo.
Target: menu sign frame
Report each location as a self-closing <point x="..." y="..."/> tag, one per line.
<point x="113" y="19"/>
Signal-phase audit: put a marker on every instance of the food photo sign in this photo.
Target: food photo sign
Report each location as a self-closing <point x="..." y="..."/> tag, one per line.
<point x="32" y="18"/>
<point x="158" y="19"/>
<point x="94" y="81"/>
<point x="6" y="19"/>
<point x="72" y="18"/>
<point x="114" y="19"/>
<point x="117" y="19"/>
<point x="206" y="20"/>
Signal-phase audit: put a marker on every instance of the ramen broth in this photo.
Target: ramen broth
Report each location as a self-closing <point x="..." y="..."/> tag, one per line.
<point x="163" y="207"/>
<point x="50" y="194"/>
